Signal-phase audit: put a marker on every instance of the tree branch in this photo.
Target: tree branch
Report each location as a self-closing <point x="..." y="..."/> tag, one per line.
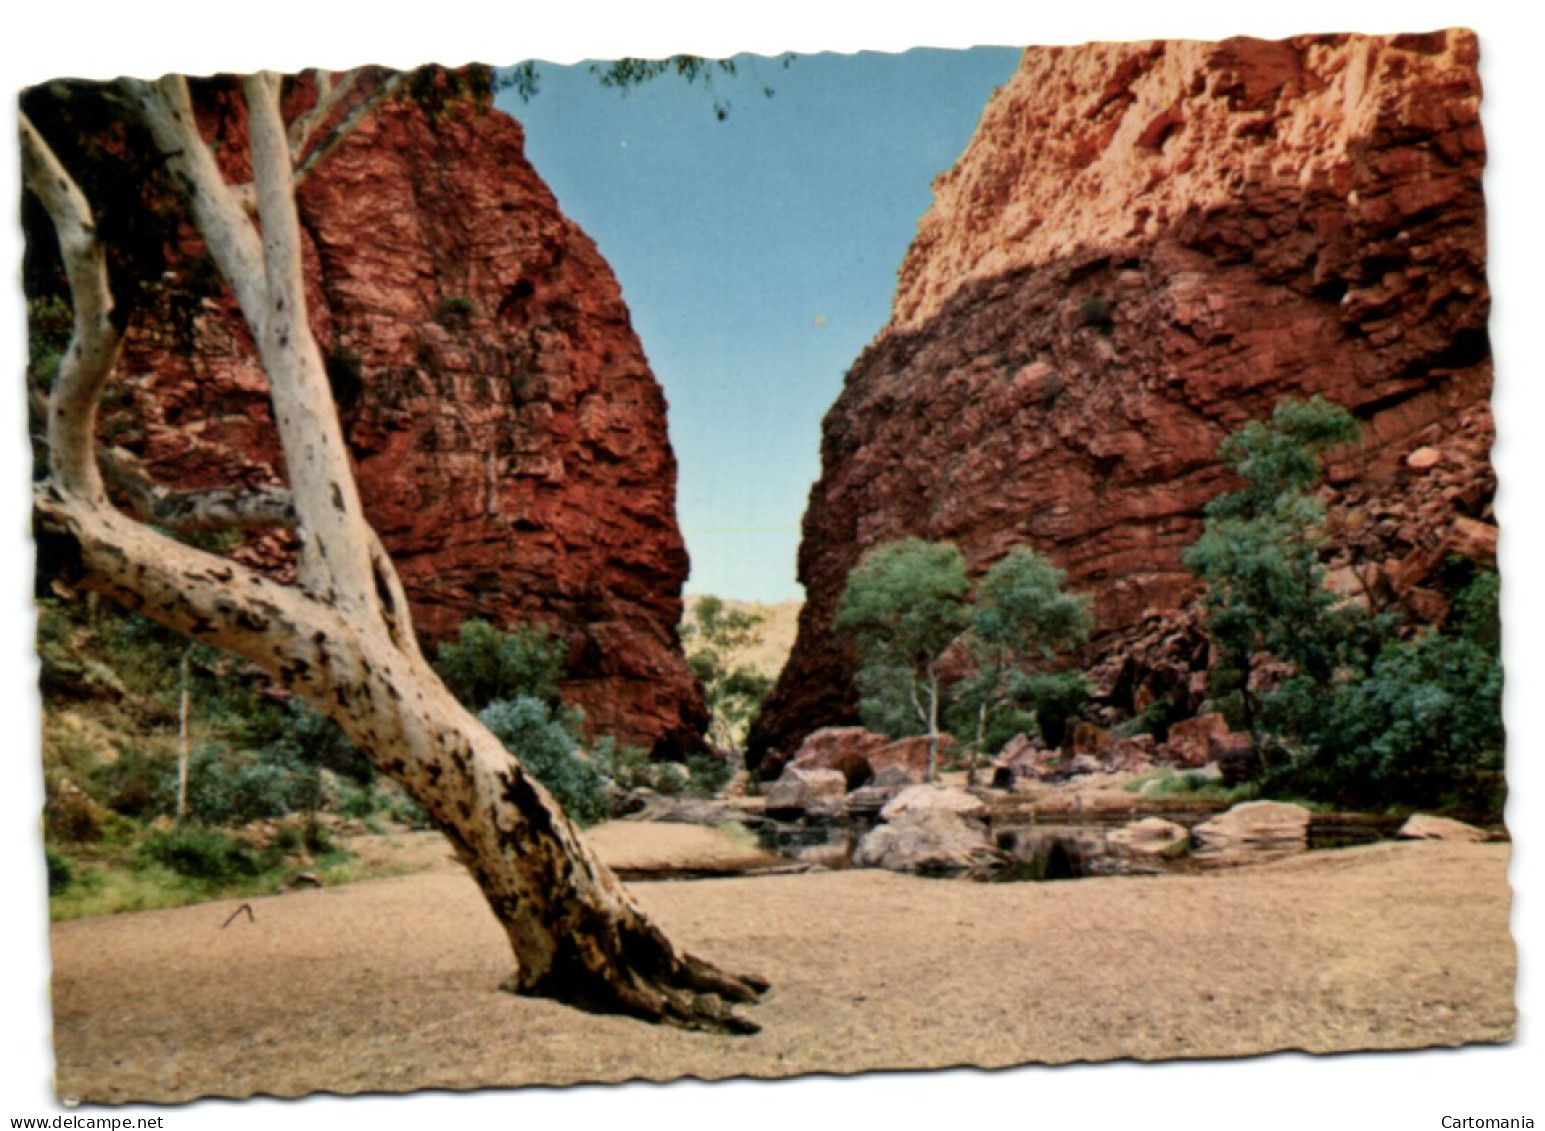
<point x="218" y="211"/>
<point x="347" y="123"/>
<point x="225" y="508"/>
<point x="94" y="340"/>
<point x="334" y="558"/>
<point x="330" y="95"/>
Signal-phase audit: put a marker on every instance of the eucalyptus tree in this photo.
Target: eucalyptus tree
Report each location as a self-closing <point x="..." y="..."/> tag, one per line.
<point x="1022" y="623"/>
<point x="341" y="635"/>
<point x="905" y="603"/>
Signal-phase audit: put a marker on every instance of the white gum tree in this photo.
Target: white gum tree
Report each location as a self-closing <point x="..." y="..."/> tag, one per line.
<point x="341" y="635"/>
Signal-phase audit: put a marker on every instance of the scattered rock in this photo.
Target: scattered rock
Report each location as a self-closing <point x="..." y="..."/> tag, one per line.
<point x="1086" y="740"/>
<point x="1152" y="836"/>
<point x="848" y="750"/>
<point x="813" y="792"/>
<point x="1189" y="742"/>
<point x="1423" y="826"/>
<point x="927" y="841"/>
<point x="933" y="798"/>
<point x="1024" y="760"/>
<point x="1253" y="830"/>
<point x="1424" y="459"/>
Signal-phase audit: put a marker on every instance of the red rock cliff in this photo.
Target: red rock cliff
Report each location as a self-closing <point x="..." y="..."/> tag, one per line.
<point x="1143" y="246"/>
<point x="509" y="438"/>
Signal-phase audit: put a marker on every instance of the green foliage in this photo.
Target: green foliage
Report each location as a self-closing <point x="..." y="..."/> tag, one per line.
<point x="905" y="603"/>
<point x="1055" y="698"/>
<point x="709" y="775"/>
<point x="50" y="324"/>
<point x="1365" y="718"/>
<point x="202" y="854"/>
<point x="138" y="783"/>
<point x="60" y="873"/>
<point x="310" y="739"/>
<point x="545" y="747"/>
<point x="627" y="766"/>
<point x="1022" y="622"/>
<point x="455" y="310"/>
<point x="1422" y="728"/>
<point x="1156" y="718"/>
<point x="713" y="638"/>
<point x="484" y="665"/>
<point x="232" y="787"/>
<point x="1259" y="552"/>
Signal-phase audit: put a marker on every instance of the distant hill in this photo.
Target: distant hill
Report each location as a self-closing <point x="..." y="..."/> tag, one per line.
<point x="780" y="624"/>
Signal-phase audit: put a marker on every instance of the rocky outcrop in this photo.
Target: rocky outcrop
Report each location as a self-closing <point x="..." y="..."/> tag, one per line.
<point x="1144" y="246"/>
<point x="509" y="438"/>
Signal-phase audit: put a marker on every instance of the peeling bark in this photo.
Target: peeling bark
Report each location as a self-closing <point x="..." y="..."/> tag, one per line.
<point x="341" y="637"/>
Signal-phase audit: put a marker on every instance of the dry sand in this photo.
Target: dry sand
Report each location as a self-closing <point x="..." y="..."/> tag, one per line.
<point x="389" y="985"/>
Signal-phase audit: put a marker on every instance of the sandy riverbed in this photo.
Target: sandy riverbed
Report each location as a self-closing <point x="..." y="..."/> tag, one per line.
<point x="389" y="985"/>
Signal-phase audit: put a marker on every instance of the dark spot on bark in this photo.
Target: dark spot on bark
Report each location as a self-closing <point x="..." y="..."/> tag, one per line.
<point x="337" y="498"/>
<point x="250" y="621"/>
<point x="518" y="792"/>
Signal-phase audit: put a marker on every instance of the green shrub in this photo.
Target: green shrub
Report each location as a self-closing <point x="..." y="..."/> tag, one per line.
<point x="628" y="767"/>
<point x="455" y="310"/>
<point x="709" y="775"/>
<point x="60" y="873"/>
<point x="484" y="664"/>
<point x="668" y="779"/>
<point x="547" y="749"/>
<point x="1422" y="728"/>
<point x="138" y="783"/>
<point x="202" y="854"/>
<point x="232" y="787"/>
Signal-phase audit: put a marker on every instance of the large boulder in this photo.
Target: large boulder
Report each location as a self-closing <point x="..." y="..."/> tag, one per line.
<point x="1254" y="830"/>
<point x="1024" y="760"/>
<point x="909" y="754"/>
<point x="1190" y="740"/>
<point x="1152" y="836"/>
<point x="816" y="793"/>
<point x="933" y="799"/>
<point x="1085" y="739"/>
<point x="1422" y="826"/>
<point x="849" y="750"/>
<point x="927" y="841"/>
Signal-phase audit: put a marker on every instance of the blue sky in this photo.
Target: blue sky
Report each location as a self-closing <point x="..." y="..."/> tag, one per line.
<point x="758" y="256"/>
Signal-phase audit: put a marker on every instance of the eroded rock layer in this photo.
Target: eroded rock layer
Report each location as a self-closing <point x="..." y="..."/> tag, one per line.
<point x="509" y="438"/>
<point x="1144" y="246"/>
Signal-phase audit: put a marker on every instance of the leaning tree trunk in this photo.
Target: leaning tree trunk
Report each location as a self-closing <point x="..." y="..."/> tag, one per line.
<point x="341" y="636"/>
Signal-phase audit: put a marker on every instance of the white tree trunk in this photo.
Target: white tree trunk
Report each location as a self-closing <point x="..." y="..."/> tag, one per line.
<point x="341" y="637"/>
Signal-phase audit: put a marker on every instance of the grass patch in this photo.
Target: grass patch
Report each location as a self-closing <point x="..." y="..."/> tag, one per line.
<point x="152" y="872"/>
<point x="1166" y="782"/>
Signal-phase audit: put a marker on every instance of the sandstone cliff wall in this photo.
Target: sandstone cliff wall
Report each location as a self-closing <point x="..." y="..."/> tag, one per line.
<point x="1143" y="246"/>
<point x="509" y="438"/>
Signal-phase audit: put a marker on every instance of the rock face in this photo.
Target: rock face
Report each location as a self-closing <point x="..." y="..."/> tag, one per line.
<point x="509" y="438"/>
<point x="1144" y="246"/>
